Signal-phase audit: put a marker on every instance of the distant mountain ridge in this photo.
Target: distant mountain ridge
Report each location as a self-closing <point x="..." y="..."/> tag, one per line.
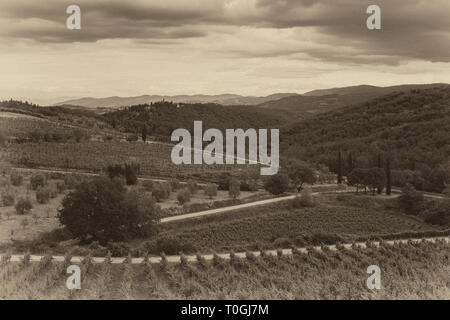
<point x="370" y="89"/>
<point x="223" y="99"/>
<point x="326" y="100"/>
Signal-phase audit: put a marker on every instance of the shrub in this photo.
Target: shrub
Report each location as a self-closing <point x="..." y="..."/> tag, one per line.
<point x="277" y="184"/>
<point x="174" y="184"/>
<point x="438" y="213"/>
<point x="119" y="249"/>
<point x="16" y="179"/>
<point x="192" y="186"/>
<point x="318" y="239"/>
<point x="23" y="206"/>
<point x="161" y="191"/>
<point x="410" y="200"/>
<point x="131" y="170"/>
<point x="224" y="181"/>
<point x="8" y="199"/>
<point x="282" y="243"/>
<point x="183" y="196"/>
<point x="147" y="185"/>
<point x="132" y="138"/>
<point x="304" y="200"/>
<point x="37" y="180"/>
<point x="102" y="210"/>
<point x="60" y="186"/>
<point x="70" y="181"/>
<point x="170" y="245"/>
<point x="234" y="188"/>
<point x="43" y="195"/>
<point x="211" y="190"/>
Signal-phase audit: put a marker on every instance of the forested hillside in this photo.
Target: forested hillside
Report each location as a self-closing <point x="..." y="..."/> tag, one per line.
<point x="162" y="118"/>
<point x="412" y="129"/>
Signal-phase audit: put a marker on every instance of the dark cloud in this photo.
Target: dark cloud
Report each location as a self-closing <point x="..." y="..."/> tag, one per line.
<point x="411" y="29"/>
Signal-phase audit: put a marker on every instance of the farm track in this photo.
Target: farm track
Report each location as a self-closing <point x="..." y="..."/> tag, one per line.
<point x="208" y="257"/>
<point x="260" y="203"/>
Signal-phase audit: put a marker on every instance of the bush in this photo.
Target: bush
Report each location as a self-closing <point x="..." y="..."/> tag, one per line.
<point x="438" y="213"/>
<point x="234" y="189"/>
<point x="410" y="200"/>
<point x="277" y="184"/>
<point x="192" y="186"/>
<point x="169" y="245"/>
<point x="304" y="200"/>
<point x="102" y="210"/>
<point x="60" y="186"/>
<point x="183" y="196"/>
<point x="8" y="199"/>
<point x="132" y="138"/>
<point x="119" y="249"/>
<point x="131" y="170"/>
<point x="318" y="239"/>
<point x="211" y="190"/>
<point x="161" y="191"/>
<point x="282" y="243"/>
<point x="37" y="180"/>
<point x="224" y="181"/>
<point x="174" y="184"/>
<point x="23" y="206"/>
<point x="43" y="195"/>
<point x="16" y="179"/>
<point x="147" y="185"/>
<point x="70" y="181"/>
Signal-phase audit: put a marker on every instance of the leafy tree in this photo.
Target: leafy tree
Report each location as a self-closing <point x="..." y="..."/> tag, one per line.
<point x="130" y="172"/>
<point x="23" y="206"/>
<point x="224" y="181"/>
<point x="410" y="200"/>
<point x="37" y="180"/>
<point x="102" y="210"/>
<point x="234" y="188"/>
<point x="16" y="179"/>
<point x="301" y="173"/>
<point x="192" y="186"/>
<point x="211" y="190"/>
<point x="277" y="184"/>
<point x="183" y="196"/>
<point x="8" y="198"/>
<point x="43" y="195"/>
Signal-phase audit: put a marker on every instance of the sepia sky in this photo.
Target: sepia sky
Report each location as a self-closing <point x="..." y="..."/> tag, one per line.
<point x="248" y="47"/>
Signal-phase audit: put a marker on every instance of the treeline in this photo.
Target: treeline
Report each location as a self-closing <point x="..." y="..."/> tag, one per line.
<point x="57" y="136"/>
<point x="411" y="129"/>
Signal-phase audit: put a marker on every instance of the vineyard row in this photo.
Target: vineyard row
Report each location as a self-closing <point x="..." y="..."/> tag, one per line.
<point x="208" y="257"/>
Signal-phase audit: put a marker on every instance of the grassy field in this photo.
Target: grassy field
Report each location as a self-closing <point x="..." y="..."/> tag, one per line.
<point x="408" y="271"/>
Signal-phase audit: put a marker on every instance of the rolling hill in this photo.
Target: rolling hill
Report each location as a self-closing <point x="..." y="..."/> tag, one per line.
<point x="412" y="128"/>
<point x="322" y="101"/>
<point x="162" y="118"/>
<point x="223" y="99"/>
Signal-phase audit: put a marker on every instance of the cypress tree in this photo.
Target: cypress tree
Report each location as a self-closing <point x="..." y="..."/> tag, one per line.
<point x="144" y="133"/>
<point x="388" y="177"/>
<point x="379" y="189"/>
<point x="350" y="162"/>
<point x="339" y="177"/>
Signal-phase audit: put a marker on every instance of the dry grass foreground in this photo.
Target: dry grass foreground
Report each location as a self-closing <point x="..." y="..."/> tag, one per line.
<point x="413" y="270"/>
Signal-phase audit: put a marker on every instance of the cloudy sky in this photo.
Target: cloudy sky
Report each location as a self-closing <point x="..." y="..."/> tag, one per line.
<point x="249" y="47"/>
